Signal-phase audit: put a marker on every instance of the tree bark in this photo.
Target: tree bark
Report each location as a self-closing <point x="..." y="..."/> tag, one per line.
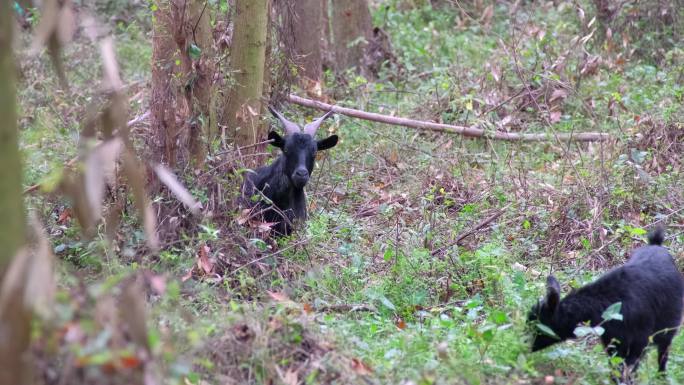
<point x="304" y="21"/>
<point x="15" y="321"/>
<point x="248" y="53"/>
<point x="183" y="112"/>
<point x="352" y="29"/>
<point x="203" y="88"/>
<point x="163" y="142"/>
<point x="327" y="61"/>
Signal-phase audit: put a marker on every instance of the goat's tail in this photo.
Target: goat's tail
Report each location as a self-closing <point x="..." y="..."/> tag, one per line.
<point x="657" y="236"/>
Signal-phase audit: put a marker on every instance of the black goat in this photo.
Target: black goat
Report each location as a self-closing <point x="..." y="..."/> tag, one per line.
<point x="277" y="190"/>
<point x="651" y="291"/>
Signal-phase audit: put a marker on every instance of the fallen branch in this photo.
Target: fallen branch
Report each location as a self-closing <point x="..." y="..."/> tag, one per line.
<point x="483" y="223"/>
<point x="346" y="308"/>
<point x="470" y="131"/>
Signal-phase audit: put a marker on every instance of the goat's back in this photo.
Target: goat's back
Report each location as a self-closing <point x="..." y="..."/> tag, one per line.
<point x="651" y="290"/>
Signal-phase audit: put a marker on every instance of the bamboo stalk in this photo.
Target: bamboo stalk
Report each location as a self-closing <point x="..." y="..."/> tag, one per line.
<point x="469" y="131"/>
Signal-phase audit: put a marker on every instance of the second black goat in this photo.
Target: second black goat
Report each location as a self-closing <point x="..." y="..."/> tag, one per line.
<point x="277" y="190"/>
<point x="651" y="291"/>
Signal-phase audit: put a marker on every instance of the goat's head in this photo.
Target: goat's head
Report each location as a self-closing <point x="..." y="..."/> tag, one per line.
<point x="543" y="313"/>
<point x="299" y="147"/>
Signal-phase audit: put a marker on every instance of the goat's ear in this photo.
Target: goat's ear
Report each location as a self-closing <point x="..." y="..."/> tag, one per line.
<point x="277" y="140"/>
<point x="326" y="143"/>
<point x="552" y="293"/>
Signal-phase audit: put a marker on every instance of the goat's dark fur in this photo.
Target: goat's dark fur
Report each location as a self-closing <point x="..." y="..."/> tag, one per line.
<point x="277" y="190"/>
<point x="651" y="291"/>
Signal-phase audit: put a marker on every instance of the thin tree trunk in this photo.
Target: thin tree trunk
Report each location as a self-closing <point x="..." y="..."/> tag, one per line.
<point x="14" y="320"/>
<point x="305" y="23"/>
<point x="352" y="29"/>
<point x="268" y="74"/>
<point x="182" y="106"/>
<point x="248" y="54"/>
<point x="327" y="61"/>
<point x="203" y="88"/>
<point x="163" y="144"/>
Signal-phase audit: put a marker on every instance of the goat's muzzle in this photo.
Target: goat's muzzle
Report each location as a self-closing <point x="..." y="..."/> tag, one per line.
<point x="300" y="177"/>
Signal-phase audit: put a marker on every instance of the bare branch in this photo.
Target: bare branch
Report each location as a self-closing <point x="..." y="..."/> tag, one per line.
<point x="471" y="131"/>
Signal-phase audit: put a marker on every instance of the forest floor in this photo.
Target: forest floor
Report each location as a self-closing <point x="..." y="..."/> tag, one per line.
<point x="423" y="251"/>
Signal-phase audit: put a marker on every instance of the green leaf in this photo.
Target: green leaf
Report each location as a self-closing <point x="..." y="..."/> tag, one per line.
<point x="387" y="302"/>
<point x="582" y="331"/>
<point x="638" y="156"/>
<point x="488" y="335"/>
<point x="389" y="254"/>
<point x="613" y="312"/>
<point x="498" y="317"/>
<point x="194" y="51"/>
<point x="547" y="330"/>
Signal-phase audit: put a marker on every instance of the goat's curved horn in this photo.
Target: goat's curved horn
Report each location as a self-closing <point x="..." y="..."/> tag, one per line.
<point x="313" y="126"/>
<point x="290" y="127"/>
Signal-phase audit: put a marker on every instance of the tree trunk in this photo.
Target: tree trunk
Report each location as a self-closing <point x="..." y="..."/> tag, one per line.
<point x="268" y="74"/>
<point x="182" y="106"/>
<point x="352" y="29"/>
<point x="15" y="320"/>
<point x="203" y="88"/>
<point x="304" y="22"/>
<point x="248" y="53"/>
<point x="165" y="131"/>
<point x="326" y="37"/>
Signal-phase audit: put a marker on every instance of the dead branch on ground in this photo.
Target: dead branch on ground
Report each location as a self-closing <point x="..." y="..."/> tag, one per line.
<point x="471" y="131"/>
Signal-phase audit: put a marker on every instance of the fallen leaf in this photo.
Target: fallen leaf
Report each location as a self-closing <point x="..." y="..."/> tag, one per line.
<point x="559" y="93"/>
<point x="400" y="324"/>
<point x="487" y="15"/>
<point x="590" y="67"/>
<point x="495" y="71"/>
<point x="290" y="377"/>
<point x="203" y="261"/>
<point x="242" y="332"/>
<point x="129" y="361"/>
<point x="64" y="216"/>
<point x="359" y="367"/>
<point x="244" y="216"/>
<point x="108" y="368"/>
<point x="158" y="283"/>
<point x="278" y="296"/>
<point x="265" y="227"/>
<point x="555" y="116"/>
<point x="187" y="276"/>
<point x="307" y="308"/>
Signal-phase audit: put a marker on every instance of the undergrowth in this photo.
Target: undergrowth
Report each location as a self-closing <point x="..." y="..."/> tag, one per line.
<point x="398" y="277"/>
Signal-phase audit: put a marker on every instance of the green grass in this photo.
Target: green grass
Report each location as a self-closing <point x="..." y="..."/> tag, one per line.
<point x="389" y="203"/>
